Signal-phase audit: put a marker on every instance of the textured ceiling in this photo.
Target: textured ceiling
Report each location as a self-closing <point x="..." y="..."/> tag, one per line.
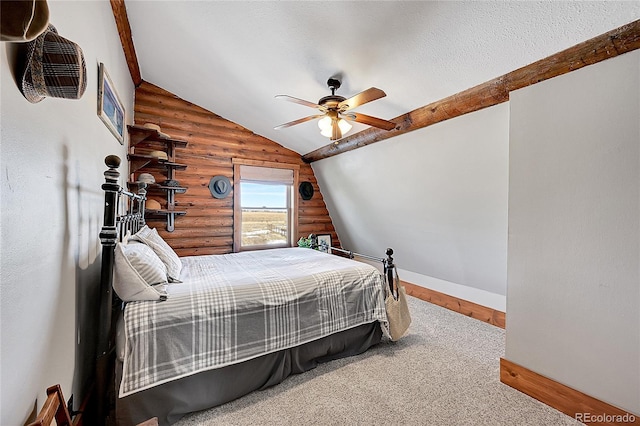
<point x="232" y="58"/>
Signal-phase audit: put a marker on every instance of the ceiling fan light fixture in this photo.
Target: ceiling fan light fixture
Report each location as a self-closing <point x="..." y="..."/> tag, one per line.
<point x="326" y="132"/>
<point x="326" y="126"/>
<point x="344" y="125"/>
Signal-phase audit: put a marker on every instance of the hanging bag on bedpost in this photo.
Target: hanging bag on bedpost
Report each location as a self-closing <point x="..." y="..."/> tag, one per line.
<point x="396" y="302"/>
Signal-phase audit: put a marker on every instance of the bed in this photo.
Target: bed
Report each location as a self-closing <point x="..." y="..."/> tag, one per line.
<point x="220" y="326"/>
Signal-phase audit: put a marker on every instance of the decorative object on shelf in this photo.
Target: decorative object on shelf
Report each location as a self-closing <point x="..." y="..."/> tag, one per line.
<point x="219" y="186"/>
<point x="316" y="242"/>
<point x="159" y="155"/>
<point x="171" y="182"/>
<point x="55" y="67"/>
<point x="146" y="178"/>
<point x="306" y="190"/>
<point x="324" y="243"/>
<point x="153" y="204"/>
<point x="110" y="108"/>
<point x="149" y="132"/>
<point x="304" y="242"/>
<point x="23" y="20"/>
<point x="147" y="138"/>
<point x="157" y="128"/>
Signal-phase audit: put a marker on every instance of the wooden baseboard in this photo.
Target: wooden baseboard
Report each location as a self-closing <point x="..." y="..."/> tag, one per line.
<point x="461" y="306"/>
<point x="576" y="404"/>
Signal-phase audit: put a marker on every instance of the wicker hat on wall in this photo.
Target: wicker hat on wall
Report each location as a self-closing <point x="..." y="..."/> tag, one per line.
<point x="55" y="67"/>
<point x="158" y="129"/>
<point x="171" y="182"/>
<point x="146" y="178"/>
<point x="23" y="20"/>
<point x="159" y="155"/>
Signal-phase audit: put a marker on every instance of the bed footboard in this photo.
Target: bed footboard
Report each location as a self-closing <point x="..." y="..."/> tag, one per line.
<point x="389" y="267"/>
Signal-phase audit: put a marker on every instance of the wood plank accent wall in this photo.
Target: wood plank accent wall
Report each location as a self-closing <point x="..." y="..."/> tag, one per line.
<point x="213" y="142"/>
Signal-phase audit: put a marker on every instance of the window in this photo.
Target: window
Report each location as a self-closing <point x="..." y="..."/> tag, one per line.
<point x="265" y="205"/>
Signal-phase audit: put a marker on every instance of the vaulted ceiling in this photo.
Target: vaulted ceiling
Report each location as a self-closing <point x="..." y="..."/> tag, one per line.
<point x="233" y="58"/>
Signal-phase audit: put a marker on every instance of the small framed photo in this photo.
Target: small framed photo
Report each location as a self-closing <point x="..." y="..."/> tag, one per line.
<point x="324" y="243"/>
<point x="110" y="108"/>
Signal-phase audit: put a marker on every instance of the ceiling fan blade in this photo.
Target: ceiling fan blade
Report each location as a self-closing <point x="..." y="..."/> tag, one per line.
<point x="371" y="121"/>
<point x="298" y="121"/>
<point x="297" y="101"/>
<point x="361" y="98"/>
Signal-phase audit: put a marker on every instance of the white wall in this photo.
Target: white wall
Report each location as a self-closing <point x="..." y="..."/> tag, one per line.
<point x="51" y="170"/>
<point x="437" y="196"/>
<point x="574" y="230"/>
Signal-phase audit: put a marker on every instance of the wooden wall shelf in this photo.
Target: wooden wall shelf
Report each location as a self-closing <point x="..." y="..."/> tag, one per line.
<point x="158" y="187"/>
<point x="139" y="161"/>
<point x="140" y="136"/>
<point x="165" y="212"/>
<point x="176" y="189"/>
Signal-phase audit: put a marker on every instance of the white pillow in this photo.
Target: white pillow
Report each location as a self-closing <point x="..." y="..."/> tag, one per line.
<point x="126" y="237"/>
<point x="150" y="237"/>
<point x="138" y="273"/>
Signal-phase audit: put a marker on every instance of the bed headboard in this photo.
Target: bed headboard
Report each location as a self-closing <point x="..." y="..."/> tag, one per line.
<point x="123" y="213"/>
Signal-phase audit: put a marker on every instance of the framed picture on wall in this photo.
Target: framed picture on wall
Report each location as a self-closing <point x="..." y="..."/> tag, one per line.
<point x="110" y="108"/>
<point x="324" y="243"/>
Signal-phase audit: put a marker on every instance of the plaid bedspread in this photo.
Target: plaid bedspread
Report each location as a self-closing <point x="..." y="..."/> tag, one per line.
<point x="235" y="307"/>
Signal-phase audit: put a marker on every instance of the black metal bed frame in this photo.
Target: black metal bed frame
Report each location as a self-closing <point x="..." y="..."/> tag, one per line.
<point x="390" y="272"/>
<point x="115" y="228"/>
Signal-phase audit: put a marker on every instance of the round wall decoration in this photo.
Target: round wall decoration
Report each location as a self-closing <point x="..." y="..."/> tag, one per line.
<point x="306" y="190"/>
<point x="219" y="186"/>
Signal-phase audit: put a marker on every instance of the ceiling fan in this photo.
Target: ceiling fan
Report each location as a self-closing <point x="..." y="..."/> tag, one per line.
<point x="336" y="111"/>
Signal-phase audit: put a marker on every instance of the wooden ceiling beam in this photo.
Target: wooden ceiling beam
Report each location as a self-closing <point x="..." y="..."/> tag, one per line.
<point x="124" y="30"/>
<point x="613" y="43"/>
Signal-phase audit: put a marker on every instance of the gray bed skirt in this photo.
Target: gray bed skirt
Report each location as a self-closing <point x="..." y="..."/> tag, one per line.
<point x="171" y="401"/>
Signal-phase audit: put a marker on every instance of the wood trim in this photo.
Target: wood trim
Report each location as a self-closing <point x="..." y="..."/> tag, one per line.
<point x="563" y="398"/>
<point x="261" y="163"/>
<point x="124" y="30"/>
<point x="613" y="43"/>
<point x="470" y="309"/>
<point x="295" y="225"/>
<point x="237" y="211"/>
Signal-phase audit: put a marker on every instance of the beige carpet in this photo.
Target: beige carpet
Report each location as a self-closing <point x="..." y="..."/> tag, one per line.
<point x="445" y="372"/>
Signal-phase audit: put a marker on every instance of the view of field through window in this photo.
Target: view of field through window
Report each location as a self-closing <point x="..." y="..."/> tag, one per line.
<point x="265" y="218"/>
<point x="261" y="227"/>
